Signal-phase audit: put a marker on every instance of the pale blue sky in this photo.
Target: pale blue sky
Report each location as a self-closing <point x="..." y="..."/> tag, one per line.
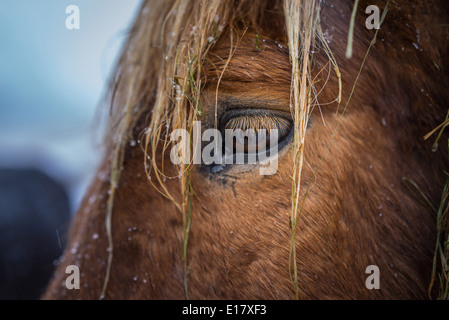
<point x="51" y="81"/>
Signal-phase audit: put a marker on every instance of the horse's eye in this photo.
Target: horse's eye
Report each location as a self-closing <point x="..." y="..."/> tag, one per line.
<point x="253" y="131"/>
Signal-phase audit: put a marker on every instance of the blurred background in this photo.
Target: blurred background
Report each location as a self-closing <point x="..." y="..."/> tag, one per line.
<point x="52" y="80"/>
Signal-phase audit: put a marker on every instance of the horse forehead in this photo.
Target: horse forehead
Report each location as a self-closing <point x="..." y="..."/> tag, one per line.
<point x="250" y="59"/>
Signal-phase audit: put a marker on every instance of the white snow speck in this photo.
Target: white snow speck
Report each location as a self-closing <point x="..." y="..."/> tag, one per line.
<point x="92" y="199"/>
<point x="74" y="249"/>
<point x="327" y="36"/>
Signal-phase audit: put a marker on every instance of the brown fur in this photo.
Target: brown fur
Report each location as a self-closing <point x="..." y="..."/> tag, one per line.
<point x="357" y="213"/>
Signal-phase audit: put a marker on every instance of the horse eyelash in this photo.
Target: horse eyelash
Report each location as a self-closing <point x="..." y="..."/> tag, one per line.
<point x="260" y="122"/>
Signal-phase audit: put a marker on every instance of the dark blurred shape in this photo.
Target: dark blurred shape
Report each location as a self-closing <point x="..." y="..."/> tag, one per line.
<point x="34" y="215"/>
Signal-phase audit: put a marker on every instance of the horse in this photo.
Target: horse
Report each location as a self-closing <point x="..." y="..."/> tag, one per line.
<point x="351" y="105"/>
